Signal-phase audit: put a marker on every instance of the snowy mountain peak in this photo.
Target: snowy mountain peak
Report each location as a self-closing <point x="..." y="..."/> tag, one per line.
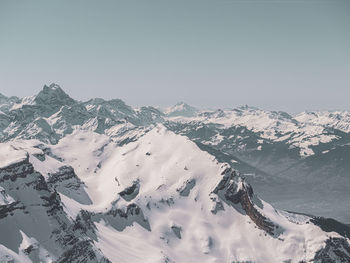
<point x="157" y="199"/>
<point x="50" y="98"/>
<point x="7" y="102"/>
<point x="248" y="110"/>
<point x="246" y="107"/>
<point x="335" y="119"/>
<point x="181" y="109"/>
<point x="5" y="99"/>
<point x="53" y="94"/>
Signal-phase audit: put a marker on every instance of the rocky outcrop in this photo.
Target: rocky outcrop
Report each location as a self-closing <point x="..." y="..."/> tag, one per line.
<point x="35" y="208"/>
<point x="67" y="182"/>
<point x="63" y="174"/>
<point x="130" y="192"/>
<point x="187" y="186"/>
<point x="335" y="250"/>
<point x="52" y="114"/>
<point x="218" y="206"/>
<point x="177" y="231"/>
<point x="6" y="210"/>
<point x="83" y="251"/>
<point x="233" y="190"/>
<point x="120" y="219"/>
<point x="331" y="225"/>
<point x="84" y="225"/>
<point x="16" y="170"/>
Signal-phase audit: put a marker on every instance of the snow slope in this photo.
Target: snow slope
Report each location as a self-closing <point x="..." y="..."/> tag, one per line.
<point x="52" y="114"/>
<point x="162" y="199"/>
<point x="303" y="131"/>
<point x="99" y="181"/>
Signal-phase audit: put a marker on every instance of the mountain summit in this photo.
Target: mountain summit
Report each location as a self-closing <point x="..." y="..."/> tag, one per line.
<point x="282" y="156"/>
<point x="157" y="198"/>
<point x="181" y="109"/>
<point x="53" y="96"/>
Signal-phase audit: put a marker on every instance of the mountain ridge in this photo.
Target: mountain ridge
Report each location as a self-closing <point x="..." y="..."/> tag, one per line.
<point x="178" y="196"/>
<point x="271" y="149"/>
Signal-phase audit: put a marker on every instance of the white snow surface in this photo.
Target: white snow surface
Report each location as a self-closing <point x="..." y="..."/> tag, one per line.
<point x="181" y="109"/>
<point x="9" y="154"/>
<point x="304" y="130"/>
<point x="336" y="119"/>
<point x="162" y="162"/>
<point x="29" y="100"/>
<point x="157" y="161"/>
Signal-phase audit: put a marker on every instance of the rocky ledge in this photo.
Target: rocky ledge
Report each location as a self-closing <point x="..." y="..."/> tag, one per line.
<point x="233" y="190"/>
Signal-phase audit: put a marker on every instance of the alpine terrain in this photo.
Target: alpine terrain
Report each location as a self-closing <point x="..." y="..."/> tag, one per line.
<point x="100" y="181"/>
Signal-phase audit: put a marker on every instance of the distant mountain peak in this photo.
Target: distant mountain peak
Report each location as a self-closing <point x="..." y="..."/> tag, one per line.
<point x="181" y="109"/>
<point x="247" y="107"/>
<point x="53" y="89"/>
<point x="53" y="95"/>
<point x="53" y="86"/>
<point x="4" y="98"/>
<point x="181" y="103"/>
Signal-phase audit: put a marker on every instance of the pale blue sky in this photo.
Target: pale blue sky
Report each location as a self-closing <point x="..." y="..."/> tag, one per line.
<point x="276" y="54"/>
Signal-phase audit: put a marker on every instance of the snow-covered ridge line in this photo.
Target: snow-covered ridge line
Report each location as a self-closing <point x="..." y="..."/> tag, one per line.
<point x="269" y="147"/>
<point x="52" y="114"/>
<point x="158" y="198"/>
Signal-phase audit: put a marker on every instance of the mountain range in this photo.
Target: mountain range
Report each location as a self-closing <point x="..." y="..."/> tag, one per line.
<point x="101" y="181"/>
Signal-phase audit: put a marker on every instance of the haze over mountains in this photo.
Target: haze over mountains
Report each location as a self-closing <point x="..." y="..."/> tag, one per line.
<point x="100" y="181"/>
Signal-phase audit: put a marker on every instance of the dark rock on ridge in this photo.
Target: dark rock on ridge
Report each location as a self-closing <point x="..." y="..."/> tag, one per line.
<point x="233" y="190"/>
<point x="337" y="250"/>
<point x="130" y="192"/>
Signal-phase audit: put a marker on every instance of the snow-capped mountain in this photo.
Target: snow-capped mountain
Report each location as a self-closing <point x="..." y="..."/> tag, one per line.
<point x="156" y="199"/>
<point x="336" y="119"/>
<point x="300" y="132"/>
<point x="100" y="181"/>
<point x="181" y="109"/>
<point x="281" y="155"/>
<point x="272" y="149"/>
<point x="54" y="112"/>
<point x="7" y="102"/>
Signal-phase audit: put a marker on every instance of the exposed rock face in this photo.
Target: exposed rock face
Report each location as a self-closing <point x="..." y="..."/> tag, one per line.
<point x="51" y="98"/>
<point x="187" y="186"/>
<point x="177" y="231"/>
<point x="7" y="102"/>
<point x="85" y="225"/>
<point x="218" y="206"/>
<point x="336" y="250"/>
<point x="38" y="212"/>
<point x="83" y="251"/>
<point x="331" y="225"/>
<point x="130" y="192"/>
<point x="67" y="182"/>
<point x="233" y="190"/>
<point x="149" y="115"/>
<point x="52" y="114"/>
<point x="6" y="210"/>
<point x="16" y="170"/>
<point x="120" y="218"/>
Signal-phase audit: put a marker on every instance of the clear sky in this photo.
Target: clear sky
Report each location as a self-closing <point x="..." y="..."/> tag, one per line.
<point x="290" y="55"/>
